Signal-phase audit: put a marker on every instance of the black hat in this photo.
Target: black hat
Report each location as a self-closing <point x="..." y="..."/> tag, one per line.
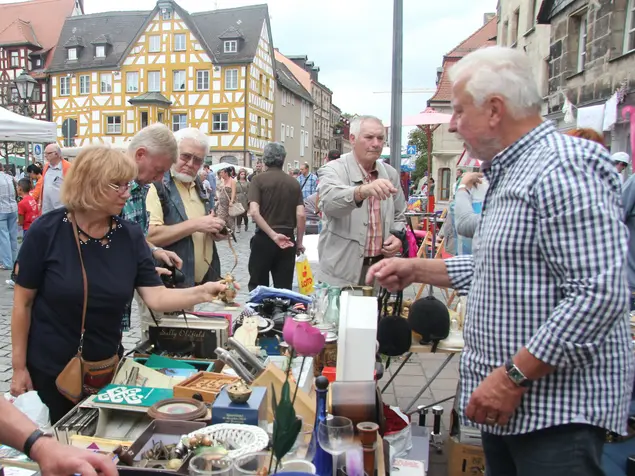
<point x="430" y="318"/>
<point x="394" y="335"/>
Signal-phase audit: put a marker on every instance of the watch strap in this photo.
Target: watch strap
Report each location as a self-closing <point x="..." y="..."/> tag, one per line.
<point x="30" y="441"/>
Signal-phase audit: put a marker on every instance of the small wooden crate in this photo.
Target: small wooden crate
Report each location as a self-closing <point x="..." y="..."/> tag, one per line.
<point x="206" y="384"/>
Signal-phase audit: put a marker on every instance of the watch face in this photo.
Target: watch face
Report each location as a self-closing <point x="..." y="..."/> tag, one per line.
<point x="516" y="375"/>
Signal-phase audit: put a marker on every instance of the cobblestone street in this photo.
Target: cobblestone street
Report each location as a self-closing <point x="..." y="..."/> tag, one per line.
<point x="405" y="386"/>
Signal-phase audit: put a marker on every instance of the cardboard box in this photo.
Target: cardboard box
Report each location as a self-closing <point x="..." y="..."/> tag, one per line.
<point x="464" y="459"/>
<point x="254" y="412"/>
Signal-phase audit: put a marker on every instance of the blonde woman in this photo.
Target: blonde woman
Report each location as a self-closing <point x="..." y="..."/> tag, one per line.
<point x="49" y="287"/>
<point x="242" y="192"/>
<point x="226" y="191"/>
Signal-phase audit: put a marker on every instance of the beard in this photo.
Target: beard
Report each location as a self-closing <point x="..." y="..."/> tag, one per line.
<point x="181" y="177"/>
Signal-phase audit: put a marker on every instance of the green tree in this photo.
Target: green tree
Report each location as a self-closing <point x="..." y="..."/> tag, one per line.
<point x="418" y="137"/>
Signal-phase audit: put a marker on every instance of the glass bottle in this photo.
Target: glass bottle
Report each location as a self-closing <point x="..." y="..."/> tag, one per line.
<point x="332" y="313"/>
<point x="322" y="460"/>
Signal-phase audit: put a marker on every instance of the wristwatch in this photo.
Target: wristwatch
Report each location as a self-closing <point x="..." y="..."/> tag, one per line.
<point x="30" y="441"/>
<point x="155" y="248"/>
<point x="515" y="375"/>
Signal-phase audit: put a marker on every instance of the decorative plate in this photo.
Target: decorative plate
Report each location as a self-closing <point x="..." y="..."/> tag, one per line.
<point x="184" y="409"/>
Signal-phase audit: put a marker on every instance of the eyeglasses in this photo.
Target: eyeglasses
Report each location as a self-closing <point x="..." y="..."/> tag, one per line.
<point x="121" y="189"/>
<point x="186" y="157"/>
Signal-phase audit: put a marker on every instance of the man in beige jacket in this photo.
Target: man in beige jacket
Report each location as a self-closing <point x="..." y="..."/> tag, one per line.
<point x="362" y="201"/>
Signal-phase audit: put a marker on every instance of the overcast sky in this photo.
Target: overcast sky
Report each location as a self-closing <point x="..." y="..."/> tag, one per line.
<point x="351" y="41"/>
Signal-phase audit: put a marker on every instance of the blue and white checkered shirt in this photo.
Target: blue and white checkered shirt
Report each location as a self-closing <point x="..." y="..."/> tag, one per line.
<point x="308" y="184"/>
<point x="548" y="273"/>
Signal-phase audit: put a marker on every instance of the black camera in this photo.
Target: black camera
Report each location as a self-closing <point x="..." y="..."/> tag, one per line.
<point x="173" y="280"/>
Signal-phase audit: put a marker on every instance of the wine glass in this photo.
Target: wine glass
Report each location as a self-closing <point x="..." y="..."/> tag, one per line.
<point x="335" y="436"/>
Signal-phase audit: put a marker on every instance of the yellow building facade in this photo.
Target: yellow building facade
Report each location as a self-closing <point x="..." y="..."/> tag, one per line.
<point x="108" y="83"/>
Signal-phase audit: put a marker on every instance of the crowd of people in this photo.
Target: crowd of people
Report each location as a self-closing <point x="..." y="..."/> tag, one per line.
<point x="547" y="367"/>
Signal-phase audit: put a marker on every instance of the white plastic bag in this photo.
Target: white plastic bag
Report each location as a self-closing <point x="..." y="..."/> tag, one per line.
<point x="400" y="441"/>
<point x="30" y="404"/>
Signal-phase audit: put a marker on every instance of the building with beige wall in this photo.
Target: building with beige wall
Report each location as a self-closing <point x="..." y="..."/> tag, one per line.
<point x="518" y="28"/>
<point x="447" y="149"/>
<point x="293" y="111"/>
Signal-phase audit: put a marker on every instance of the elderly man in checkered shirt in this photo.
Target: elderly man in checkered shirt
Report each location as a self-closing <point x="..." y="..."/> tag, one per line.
<point x="547" y="366"/>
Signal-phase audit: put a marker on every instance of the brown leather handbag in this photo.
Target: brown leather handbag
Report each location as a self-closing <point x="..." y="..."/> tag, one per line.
<point x="81" y="377"/>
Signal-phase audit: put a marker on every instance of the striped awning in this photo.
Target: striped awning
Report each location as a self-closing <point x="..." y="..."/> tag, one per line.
<point x="468" y="161"/>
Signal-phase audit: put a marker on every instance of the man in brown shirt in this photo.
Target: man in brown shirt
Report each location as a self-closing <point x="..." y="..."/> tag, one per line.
<point x="277" y="207"/>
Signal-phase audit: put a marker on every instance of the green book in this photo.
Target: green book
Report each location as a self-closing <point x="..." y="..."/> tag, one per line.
<point x="129" y="396"/>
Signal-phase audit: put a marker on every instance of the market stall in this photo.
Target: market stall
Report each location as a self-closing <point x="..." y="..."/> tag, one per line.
<point x="17" y="128"/>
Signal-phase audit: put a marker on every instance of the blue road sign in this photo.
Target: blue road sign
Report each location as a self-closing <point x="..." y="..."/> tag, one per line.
<point x="412" y="150"/>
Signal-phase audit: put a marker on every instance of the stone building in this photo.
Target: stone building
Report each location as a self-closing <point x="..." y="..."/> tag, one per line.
<point x="591" y="56"/>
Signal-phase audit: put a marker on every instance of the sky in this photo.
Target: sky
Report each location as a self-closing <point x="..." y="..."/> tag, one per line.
<point x="351" y="41"/>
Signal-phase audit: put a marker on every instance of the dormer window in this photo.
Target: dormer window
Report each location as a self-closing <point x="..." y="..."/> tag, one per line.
<point x="231" y="46"/>
<point x="100" y="51"/>
<point x="72" y="54"/>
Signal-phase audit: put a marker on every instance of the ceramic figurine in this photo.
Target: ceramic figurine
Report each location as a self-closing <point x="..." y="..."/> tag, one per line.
<point x="230" y="293"/>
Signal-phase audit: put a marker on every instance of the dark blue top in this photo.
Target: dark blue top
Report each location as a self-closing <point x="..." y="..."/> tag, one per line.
<point x="49" y="262"/>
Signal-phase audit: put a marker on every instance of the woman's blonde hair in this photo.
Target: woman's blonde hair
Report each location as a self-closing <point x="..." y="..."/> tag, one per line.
<point x="86" y="184"/>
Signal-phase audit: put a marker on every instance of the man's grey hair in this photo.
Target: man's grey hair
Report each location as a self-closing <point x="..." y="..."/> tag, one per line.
<point x="274" y="155"/>
<point x="357" y="122"/>
<point x="196" y="135"/>
<point x="157" y="139"/>
<point x="497" y="70"/>
<point x="57" y="149"/>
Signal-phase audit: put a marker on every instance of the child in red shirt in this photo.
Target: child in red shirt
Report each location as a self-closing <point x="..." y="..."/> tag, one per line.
<point x="27" y="208"/>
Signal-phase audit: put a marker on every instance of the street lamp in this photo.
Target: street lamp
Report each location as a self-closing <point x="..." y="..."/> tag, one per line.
<point x="25" y="85"/>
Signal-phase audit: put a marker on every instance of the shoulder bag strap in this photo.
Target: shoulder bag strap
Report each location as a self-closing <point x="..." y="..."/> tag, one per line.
<point x="85" y="283"/>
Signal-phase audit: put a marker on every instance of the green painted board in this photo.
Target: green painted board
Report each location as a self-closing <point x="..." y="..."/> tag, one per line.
<point x="159" y="362"/>
<point x="130" y="396"/>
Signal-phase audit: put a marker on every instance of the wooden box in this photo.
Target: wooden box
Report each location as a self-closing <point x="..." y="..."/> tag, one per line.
<point x="206" y="384"/>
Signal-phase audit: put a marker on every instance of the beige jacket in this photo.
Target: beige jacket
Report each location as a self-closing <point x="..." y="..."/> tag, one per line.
<point x="343" y="238"/>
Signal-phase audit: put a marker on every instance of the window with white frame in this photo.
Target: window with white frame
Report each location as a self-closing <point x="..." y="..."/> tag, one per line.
<point x="301" y="143"/>
<point x="220" y="122"/>
<point x="72" y="54"/>
<point x="231" y="79"/>
<point x="260" y="129"/>
<point x="284" y="97"/>
<point x="166" y="14"/>
<point x="100" y="51"/>
<point x="154" y="81"/>
<point x="65" y="86"/>
<point x="113" y="124"/>
<point x="179" y="121"/>
<point x="292" y="100"/>
<point x="155" y="44"/>
<point x="202" y="80"/>
<point x="84" y="84"/>
<point x="179" y="42"/>
<point x="15" y="59"/>
<point x="288" y="130"/>
<point x="37" y="94"/>
<point x="629" y="30"/>
<point x="132" y="82"/>
<point x="302" y="116"/>
<point x="179" y="80"/>
<point x="282" y="132"/>
<point x="105" y="80"/>
<point x="230" y="46"/>
<point x="15" y="96"/>
<point x="292" y="132"/>
<point x="582" y="40"/>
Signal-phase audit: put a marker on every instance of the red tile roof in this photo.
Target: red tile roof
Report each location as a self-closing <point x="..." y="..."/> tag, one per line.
<point x="484" y="36"/>
<point x="38" y="22"/>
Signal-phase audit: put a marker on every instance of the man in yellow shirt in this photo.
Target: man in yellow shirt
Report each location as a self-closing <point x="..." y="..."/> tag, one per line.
<point x="179" y="208"/>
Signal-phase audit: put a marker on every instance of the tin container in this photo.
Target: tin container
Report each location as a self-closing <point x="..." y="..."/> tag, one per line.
<point x="302" y="318"/>
<point x="328" y="356"/>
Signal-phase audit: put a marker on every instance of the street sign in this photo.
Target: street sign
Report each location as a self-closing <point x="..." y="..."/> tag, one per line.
<point x="37" y="151"/>
<point x="411" y="150"/>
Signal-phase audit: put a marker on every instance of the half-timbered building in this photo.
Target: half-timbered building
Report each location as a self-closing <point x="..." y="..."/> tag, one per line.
<point x="114" y="73"/>
<point x="28" y="36"/>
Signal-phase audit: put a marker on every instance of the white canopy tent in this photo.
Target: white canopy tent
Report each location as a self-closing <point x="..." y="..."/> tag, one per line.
<point x="17" y="128"/>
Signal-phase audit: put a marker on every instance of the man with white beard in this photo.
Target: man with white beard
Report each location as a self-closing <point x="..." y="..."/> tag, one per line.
<point x="180" y="215"/>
